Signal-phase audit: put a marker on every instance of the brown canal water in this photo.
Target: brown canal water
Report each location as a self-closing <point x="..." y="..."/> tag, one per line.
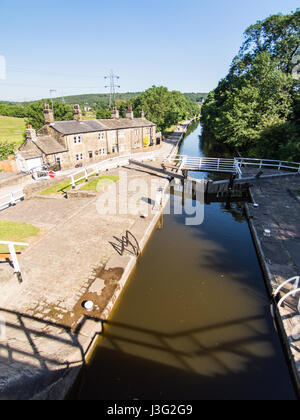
<point x="195" y="321"/>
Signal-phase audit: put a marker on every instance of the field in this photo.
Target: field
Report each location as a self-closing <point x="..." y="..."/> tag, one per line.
<point x="12" y="129"/>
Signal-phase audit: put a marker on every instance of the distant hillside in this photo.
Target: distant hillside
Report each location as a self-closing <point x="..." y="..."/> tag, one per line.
<point x="196" y="97"/>
<point x="96" y="98"/>
<point x="103" y="98"/>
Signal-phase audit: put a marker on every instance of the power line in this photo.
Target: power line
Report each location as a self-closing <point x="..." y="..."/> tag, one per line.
<point x="39" y="71"/>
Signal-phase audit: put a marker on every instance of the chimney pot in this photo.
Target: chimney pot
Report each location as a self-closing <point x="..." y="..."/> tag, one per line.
<point x="115" y="113"/>
<point x="129" y="113"/>
<point x="48" y="114"/>
<point x="77" y="113"/>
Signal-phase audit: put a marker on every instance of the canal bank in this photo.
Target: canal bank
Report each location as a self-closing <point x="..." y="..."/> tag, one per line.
<point x="81" y="254"/>
<point x="275" y="227"/>
<point x="195" y="320"/>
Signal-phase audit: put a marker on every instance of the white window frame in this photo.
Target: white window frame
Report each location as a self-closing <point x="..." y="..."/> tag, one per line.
<point x="101" y="135"/>
<point x="77" y="140"/>
<point x="91" y="154"/>
<point x="79" y="157"/>
<point x="121" y="134"/>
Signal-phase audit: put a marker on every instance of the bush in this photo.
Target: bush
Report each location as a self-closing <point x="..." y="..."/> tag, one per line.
<point x="6" y="149"/>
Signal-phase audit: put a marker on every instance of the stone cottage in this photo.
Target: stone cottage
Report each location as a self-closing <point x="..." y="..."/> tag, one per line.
<point x="81" y="142"/>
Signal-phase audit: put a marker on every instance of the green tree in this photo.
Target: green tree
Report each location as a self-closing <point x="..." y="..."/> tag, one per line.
<point x="35" y="116"/>
<point x="163" y="107"/>
<point x="256" y="107"/>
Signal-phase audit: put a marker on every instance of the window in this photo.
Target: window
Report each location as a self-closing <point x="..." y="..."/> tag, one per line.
<point x="102" y="152"/>
<point x="91" y="155"/>
<point x="101" y="136"/>
<point x="114" y="149"/>
<point x="79" y="157"/>
<point x="58" y="161"/>
<point x="77" y="140"/>
<point x="121" y="133"/>
<point x="136" y="132"/>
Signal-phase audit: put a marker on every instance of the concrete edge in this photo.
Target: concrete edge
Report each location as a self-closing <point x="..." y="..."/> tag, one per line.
<point x="269" y="281"/>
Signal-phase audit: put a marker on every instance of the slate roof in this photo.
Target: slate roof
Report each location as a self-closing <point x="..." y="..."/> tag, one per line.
<point x="89" y="126"/>
<point x="49" y="145"/>
<point x="41" y="144"/>
<point x="29" y="150"/>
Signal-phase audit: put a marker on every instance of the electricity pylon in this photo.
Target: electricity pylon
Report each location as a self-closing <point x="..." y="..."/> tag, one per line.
<point x="112" y="78"/>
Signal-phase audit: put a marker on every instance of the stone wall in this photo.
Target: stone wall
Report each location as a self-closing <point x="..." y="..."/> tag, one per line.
<point x="31" y="189"/>
<point x="9" y="166"/>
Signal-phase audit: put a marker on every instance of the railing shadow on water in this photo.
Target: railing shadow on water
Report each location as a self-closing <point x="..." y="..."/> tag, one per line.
<point x="126" y="347"/>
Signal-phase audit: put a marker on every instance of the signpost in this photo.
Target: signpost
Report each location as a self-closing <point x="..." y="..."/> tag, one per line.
<point x="51" y="174"/>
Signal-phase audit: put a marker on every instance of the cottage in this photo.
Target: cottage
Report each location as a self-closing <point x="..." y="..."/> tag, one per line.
<point x="81" y="142"/>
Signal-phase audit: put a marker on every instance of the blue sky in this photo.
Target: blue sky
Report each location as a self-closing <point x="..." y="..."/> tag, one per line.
<point x="69" y="45"/>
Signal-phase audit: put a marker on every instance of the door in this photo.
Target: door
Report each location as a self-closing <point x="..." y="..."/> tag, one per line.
<point x="34" y="163"/>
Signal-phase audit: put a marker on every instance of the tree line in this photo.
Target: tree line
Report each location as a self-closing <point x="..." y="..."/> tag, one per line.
<point x="255" y="108"/>
<point x="163" y="107"/>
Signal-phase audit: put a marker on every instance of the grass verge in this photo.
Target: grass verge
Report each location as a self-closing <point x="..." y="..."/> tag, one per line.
<point x="16" y="232"/>
<point x="100" y="183"/>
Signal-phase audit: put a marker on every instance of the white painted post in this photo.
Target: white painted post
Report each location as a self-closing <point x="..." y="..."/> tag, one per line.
<point x="15" y="261"/>
<point x="73" y="182"/>
<point x="12" y="199"/>
<point x="86" y="175"/>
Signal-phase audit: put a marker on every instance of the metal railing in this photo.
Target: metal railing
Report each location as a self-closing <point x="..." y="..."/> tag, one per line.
<point x="206" y="164"/>
<point x="12" y="251"/>
<point x="11" y="199"/>
<point x="107" y="164"/>
<point x="295" y="290"/>
<point x="279" y="165"/>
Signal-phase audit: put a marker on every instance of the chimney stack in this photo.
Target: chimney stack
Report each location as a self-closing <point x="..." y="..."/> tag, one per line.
<point x="129" y="113"/>
<point x="143" y="114"/>
<point x="48" y="114"/>
<point x="77" y="113"/>
<point x="30" y="133"/>
<point x="115" y="113"/>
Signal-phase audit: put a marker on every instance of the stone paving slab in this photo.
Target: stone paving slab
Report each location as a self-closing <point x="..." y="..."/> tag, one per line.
<point x="279" y="211"/>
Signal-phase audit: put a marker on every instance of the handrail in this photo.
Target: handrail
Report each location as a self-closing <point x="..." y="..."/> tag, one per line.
<point x="13" y="198"/>
<point x="11" y="247"/>
<point x="109" y="164"/>
<point x="279" y="164"/>
<point x="292" y="292"/>
<point x="296" y="285"/>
